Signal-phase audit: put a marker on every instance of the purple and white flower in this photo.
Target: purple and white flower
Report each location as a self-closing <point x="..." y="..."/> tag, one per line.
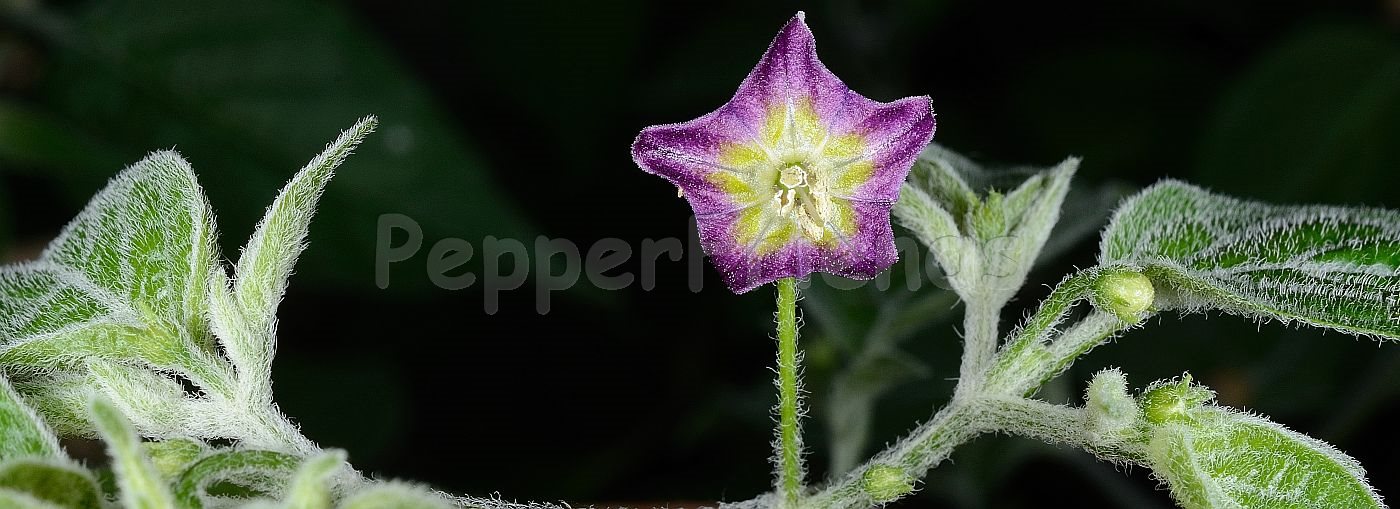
<point x="797" y="173"/>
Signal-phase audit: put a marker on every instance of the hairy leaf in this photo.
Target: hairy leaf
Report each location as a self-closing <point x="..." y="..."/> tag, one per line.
<point x="173" y="455"/>
<point x="246" y="319"/>
<point x="394" y="495"/>
<point x="15" y="499"/>
<point x="52" y="314"/>
<point x="1224" y="459"/>
<point x="148" y="239"/>
<point x="22" y="432"/>
<point x="61" y="397"/>
<point x="311" y="486"/>
<point x="154" y="403"/>
<point x="57" y="482"/>
<point x="259" y="472"/>
<point x="138" y="480"/>
<point x="125" y="279"/>
<point x="986" y="244"/>
<point x="1335" y="267"/>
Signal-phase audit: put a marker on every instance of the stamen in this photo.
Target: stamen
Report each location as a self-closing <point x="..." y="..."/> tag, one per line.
<point x="795" y="199"/>
<point x="793" y="176"/>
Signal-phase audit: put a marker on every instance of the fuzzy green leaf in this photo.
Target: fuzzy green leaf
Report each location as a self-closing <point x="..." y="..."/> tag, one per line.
<point x="14" y="499"/>
<point x="259" y="472"/>
<point x="61" y="397"/>
<point x="140" y="483"/>
<point x="173" y="455"/>
<point x="245" y="317"/>
<point x="1224" y="459"/>
<point x="154" y="403"/>
<point x="22" y="432"/>
<point x="1334" y="267"/>
<point x="311" y="486"/>
<point x="986" y="244"/>
<point x="125" y="279"/>
<point x="56" y="482"/>
<point x="393" y="495"/>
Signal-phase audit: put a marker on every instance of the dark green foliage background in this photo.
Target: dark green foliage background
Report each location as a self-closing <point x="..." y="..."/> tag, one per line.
<point x="514" y="119"/>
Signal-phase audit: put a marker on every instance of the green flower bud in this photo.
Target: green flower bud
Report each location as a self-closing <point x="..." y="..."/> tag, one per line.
<point x="1111" y="410"/>
<point x="886" y="483"/>
<point x="987" y="219"/>
<point x="1174" y="400"/>
<point x="1127" y="294"/>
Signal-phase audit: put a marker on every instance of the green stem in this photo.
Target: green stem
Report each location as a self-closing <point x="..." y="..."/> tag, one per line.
<point x="1034" y="354"/>
<point x="789" y="435"/>
<point x="979" y="342"/>
<point x="1029" y="369"/>
<point x="1059" y="424"/>
<point x="914" y="455"/>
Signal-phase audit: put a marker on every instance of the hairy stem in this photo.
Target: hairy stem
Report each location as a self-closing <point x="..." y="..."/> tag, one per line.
<point x="1058" y="424"/>
<point x="1076" y="341"/>
<point x="263" y="425"/>
<point x="979" y="342"/>
<point x="1038" y="328"/>
<point x="789" y="479"/>
<point x="1030" y="358"/>
<point x="915" y="454"/>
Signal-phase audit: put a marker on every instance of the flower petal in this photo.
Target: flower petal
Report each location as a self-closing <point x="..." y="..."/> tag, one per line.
<point x="787" y="74"/>
<point x="893" y="134"/>
<point x="691" y="156"/>
<point x="749" y="255"/>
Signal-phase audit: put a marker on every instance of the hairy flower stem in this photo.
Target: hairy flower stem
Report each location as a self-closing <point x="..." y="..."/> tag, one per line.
<point x="789" y="479"/>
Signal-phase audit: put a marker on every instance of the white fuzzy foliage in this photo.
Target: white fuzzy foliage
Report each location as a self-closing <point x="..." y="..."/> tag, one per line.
<point x="311" y="486"/>
<point x="985" y="243"/>
<point x="148" y="237"/>
<point x="264" y="472"/>
<point x="1111" y="412"/>
<point x="245" y="316"/>
<point x="1222" y="459"/>
<point x="131" y="264"/>
<point x="138" y="480"/>
<point x="1334" y="267"/>
<point x="22" y="432"/>
<point x="61" y="398"/>
<point x="55" y="480"/>
<point x="155" y="404"/>
<point x="399" y="495"/>
<point x="19" y="500"/>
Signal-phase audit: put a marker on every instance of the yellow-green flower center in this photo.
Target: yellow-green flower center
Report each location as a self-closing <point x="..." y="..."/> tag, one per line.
<point x="792" y="180"/>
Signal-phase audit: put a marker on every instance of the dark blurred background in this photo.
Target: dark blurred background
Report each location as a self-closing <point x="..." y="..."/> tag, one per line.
<point x="514" y="119"/>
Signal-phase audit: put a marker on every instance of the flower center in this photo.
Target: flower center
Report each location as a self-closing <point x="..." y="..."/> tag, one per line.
<point x="807" y="207"/>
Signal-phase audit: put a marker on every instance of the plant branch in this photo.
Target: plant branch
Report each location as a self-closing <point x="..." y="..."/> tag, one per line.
<point x="1028" y="360"/>
<point x="979" y="342"/>
<point x="924" y="448"/>
<point x="1076" y="341"/>
<point x="1059" y="424"/>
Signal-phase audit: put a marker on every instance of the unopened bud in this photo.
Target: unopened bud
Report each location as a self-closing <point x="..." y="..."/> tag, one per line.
<point x="1126" y="294"/>
<point x="886" y="483"/>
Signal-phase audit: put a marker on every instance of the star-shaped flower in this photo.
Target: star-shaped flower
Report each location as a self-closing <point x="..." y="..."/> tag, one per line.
<point x="796" y="174"/>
